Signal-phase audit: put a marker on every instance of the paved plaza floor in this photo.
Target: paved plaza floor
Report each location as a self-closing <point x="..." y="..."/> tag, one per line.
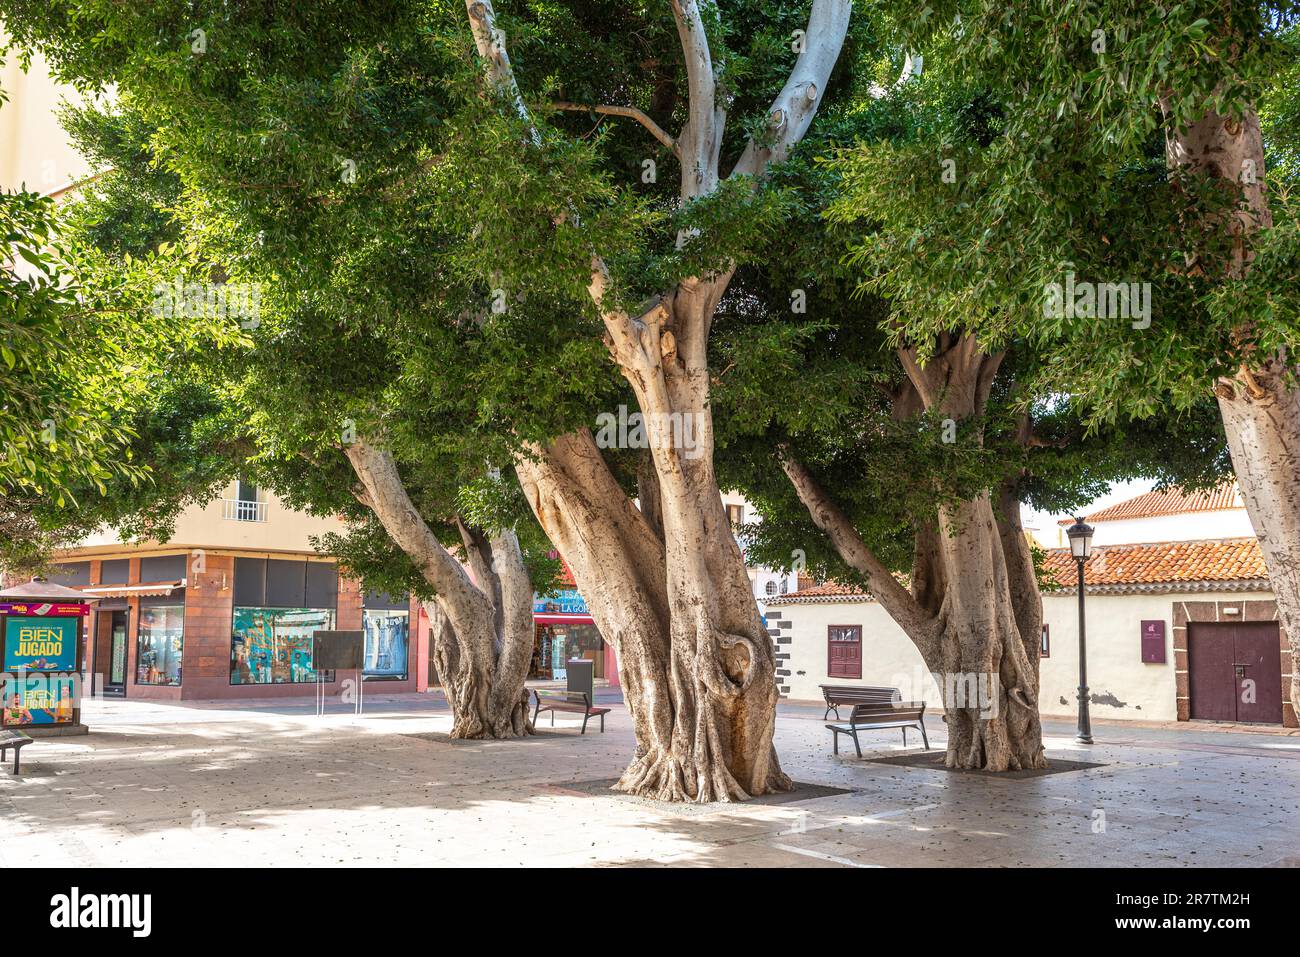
<point x="239" y="785"/>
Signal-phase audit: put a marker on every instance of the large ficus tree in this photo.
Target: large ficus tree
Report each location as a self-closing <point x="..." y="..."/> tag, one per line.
<point x="1128" y="144"/>
<point x="339" y="375"/>
<point x="851" y="401"/>
<point x="460" y="198"/>
<point x="667" y="581"/>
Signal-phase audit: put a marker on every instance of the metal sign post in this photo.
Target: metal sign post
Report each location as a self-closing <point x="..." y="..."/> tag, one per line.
<point x="337" y="651"/>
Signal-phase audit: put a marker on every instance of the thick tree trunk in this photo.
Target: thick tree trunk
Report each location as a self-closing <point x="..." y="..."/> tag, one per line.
<point x="989" y="596"/>
<point x="1260" y="409"/>
<point x="482" y="633"/>
<point x="722" y="667"/>
<point x="706" y="670"/>
<point x="983" y="653"/>
<point x="1027" y="606"/>
<point x="974" y="610"/>
<point x="723" y="674"/>
<point x="1262" y="419"/>
<point x="694" y="741"/>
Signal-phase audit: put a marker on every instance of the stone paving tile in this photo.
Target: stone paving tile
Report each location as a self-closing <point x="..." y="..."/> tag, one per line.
<point x="253" y="787"/>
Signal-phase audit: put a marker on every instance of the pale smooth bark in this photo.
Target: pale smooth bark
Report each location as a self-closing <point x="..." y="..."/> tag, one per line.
<point x="699" y="665"/>
<point x="1260" y="405"/>
<point x="973" y="610"/>
<point x="704" y="709"/>
<point x="481" y="633"/>
<point x="1261" y="416"/>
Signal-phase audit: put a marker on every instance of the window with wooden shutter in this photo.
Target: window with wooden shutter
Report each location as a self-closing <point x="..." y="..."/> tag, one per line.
<point x="844" y="651"/>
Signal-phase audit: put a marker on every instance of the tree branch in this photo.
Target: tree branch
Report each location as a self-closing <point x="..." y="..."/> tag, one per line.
<point x="386" y="495"/>
<point x="794" y="107"/>
<point x="893" y="597"/>
<point x="630" y="112"/>
<point x="491" y="43"/>
<point x="701" y="137"/>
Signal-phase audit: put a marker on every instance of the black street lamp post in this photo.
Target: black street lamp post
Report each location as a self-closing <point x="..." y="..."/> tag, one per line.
<point x="1080" y="547"/>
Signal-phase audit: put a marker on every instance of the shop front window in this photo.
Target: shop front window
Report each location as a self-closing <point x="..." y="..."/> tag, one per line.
<point x="585" y="642"/>
<point x="158" y="651"/>
<point x="274" y="645"/>
<point x="555" y="644"/>
<point x="387" y="638"/>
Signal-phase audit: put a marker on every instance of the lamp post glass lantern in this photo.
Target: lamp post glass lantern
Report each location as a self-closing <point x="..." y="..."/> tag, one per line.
<point x="1080" y="536"/>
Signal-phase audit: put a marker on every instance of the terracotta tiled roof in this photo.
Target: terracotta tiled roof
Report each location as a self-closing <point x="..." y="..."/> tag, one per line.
<point x="1230" y="564"/>
<point x="1172" y="501"/>
<point x="1218" y="561"/>
<point x="825" y="590"/>
<point x="818" y="593"/>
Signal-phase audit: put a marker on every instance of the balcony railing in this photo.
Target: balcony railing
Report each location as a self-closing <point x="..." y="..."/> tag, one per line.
<point x="241" y="510"/>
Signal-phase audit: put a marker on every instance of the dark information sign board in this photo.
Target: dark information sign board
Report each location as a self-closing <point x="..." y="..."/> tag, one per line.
<point x="337" y="650"/>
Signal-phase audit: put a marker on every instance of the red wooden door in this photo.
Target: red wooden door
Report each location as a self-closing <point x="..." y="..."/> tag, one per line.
<point x="844" y="651"/>
<point x="1235" y="671"/>
<point x="1257" y="667"/>
<point x="1210" y="651"/>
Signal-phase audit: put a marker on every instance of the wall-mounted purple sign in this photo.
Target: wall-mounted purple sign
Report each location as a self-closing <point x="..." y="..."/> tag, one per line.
<point x="1153" y="641"/>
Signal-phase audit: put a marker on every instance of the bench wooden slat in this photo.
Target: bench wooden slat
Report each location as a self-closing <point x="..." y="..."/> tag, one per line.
<point x="846" y="693"/>
<point x="848" y="729"/>
<point x="837" y="695"/>
<point x="882" y="708"/>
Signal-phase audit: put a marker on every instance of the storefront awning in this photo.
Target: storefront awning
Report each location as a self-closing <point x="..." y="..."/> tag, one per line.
<point x="139" y="591"/>
<point x="560" y="619"/>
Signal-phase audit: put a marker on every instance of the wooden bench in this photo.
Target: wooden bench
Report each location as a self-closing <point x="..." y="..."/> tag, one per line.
<point x="15" y="740"/>
<point x="575" y="701"/>
<point x="837" y="695"/>
<point x="889" y="714"/>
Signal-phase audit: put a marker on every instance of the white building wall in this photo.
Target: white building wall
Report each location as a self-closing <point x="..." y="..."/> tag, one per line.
<point x="35" y="153"/>
<point x="1187" y="527"/>
<point x="889" y="659"/>
<point x="1121" y="685"/>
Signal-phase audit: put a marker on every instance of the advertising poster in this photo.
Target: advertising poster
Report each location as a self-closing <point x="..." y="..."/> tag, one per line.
<point x="40" y="643"/>
<point x="274" y="645"/>
<point x="43" y="609"/>
<point x="38" y="699"/>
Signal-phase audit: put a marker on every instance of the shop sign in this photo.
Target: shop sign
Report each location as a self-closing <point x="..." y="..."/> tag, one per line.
<point x="567" y="601"/>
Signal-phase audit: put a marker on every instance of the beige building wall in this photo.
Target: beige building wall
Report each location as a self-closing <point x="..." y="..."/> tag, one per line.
<point x="1121" y="685"/>
<point x="34" y="150"/>
<point x="215" y="526"/>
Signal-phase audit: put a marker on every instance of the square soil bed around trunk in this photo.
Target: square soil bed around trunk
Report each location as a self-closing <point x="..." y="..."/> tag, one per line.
<point x="803" y="791"/>
<point x="441" y="737"/>
<point x="933" y="761"/>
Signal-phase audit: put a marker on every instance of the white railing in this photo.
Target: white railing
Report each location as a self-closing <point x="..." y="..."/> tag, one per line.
<point x="241" y="510"/>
